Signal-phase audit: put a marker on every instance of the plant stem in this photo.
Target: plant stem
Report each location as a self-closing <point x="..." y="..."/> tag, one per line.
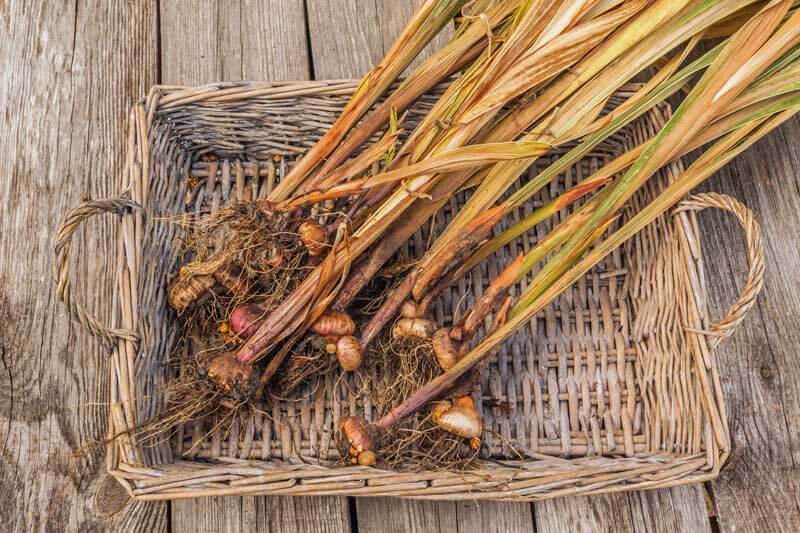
<point x="430" y="17"/>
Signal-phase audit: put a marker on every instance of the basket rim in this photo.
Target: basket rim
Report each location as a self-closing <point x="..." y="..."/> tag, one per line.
<point x="499" y="480"/>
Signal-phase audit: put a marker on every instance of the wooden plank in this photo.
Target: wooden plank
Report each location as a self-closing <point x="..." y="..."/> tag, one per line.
<point x="664" y="510"/>
<point x="607" y="512"/>
<point x="206" y="41"/>
<point x="681" y="504"/>
<point x="273" y="513"/>
<point x="392" y="515"/>
<point x="348" y="49"/>
<point x="670" y="510"/>
<point x="759" y="488"/>
<point x="347" y="38"/>
<point x="306" y="513"/>
<point x="494" y="516"/>
<point x="69" y="73"/>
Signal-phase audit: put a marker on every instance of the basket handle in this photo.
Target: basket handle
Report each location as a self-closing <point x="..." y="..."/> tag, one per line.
<point x="755" y="258"/>
<point x="75" y="217"/>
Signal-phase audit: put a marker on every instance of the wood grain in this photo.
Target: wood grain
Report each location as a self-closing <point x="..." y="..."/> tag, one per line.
<point x="344" y="44"/>
<point x="272" y="513"/>
<point x="204" y="41"/>
<point x="396" y="516"/>
<point x="68" y="74"/>
<point x="664" y="510"/>
<point x="70" y="71"/>
<point x="348" y="37"/>
<point x="608" y="512"/>
<point x="759" y="489"/>
<point x="391" y="515"/>
<point x="669" y="510"/>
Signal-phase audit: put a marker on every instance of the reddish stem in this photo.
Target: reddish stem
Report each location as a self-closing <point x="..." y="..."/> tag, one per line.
<point x="497" y="290"/>
<point x="282" y="322"/>
<point x="412" y="281"/>
<point x="393" y="239"/>
<point x="388" y="310"/>
<point x="432" y="267"/>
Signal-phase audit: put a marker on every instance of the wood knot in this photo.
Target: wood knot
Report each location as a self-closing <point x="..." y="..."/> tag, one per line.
<point x="110" y="497"/>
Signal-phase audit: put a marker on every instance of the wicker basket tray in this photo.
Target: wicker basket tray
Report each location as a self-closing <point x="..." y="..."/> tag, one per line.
<point x="613" y="387"/>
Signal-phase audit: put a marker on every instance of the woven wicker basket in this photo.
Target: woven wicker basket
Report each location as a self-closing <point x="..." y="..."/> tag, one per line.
<point x="613" y="387"/>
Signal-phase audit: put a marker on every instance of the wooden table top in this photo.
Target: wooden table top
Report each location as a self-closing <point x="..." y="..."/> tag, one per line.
<point x="71" y="70"/>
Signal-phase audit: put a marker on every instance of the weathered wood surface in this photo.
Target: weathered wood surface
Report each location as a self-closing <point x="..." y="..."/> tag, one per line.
<point x="347" y="51"/>
<point x="70" y="72"/>
<point x="667" y="510"/>
<point x="202" y="42"/>
<point x="759" y="365"/>
<point x="344" y="44"/>
<point x="348" y="37"/>
<point x="400" y="516"/>
<point x="262" y="513"/>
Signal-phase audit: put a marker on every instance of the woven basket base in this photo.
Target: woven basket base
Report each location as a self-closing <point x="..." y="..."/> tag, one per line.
<point x="604" y="391"/>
